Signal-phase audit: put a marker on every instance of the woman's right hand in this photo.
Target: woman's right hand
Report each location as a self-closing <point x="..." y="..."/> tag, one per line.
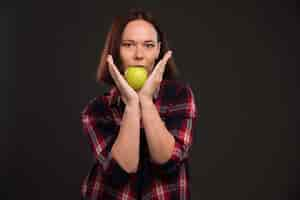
<point x="128" y="94"/>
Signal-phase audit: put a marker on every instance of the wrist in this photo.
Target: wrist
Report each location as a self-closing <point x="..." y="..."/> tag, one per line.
<point x="133" y="108"/>
<point x="145" y="101"/>
<point x="133" y="105"/>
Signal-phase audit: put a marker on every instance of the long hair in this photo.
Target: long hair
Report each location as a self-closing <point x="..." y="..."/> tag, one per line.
<point x="113" y="41"/>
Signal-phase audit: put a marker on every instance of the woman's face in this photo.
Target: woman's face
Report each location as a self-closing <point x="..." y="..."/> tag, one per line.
<point x="139" y="45"/>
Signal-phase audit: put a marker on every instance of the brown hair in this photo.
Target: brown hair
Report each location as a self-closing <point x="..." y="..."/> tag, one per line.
<point x="113" y="41"/>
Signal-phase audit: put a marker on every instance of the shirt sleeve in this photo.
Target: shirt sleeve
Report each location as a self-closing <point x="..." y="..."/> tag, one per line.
<point x="101" y="130"/>
<point x="180" y="121"/>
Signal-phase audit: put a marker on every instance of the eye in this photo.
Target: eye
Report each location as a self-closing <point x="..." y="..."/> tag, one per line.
<point x="127" y="44"/>
<point x="149" y="45"/>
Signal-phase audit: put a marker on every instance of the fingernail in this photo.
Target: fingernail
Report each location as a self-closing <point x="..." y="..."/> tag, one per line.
<point x="108" y="59"/>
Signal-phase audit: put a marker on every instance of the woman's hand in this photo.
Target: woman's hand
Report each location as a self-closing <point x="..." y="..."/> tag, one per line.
<point x="154" y="80"/>
<point x="128" y="94"/>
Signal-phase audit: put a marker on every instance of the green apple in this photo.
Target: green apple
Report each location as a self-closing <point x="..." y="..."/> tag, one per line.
<point x="136" y="76"/>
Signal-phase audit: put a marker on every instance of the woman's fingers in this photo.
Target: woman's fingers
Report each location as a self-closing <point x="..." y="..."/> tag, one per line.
<point x="116" y="75"/>
<point x="112" y="68"/>
<point x="161" y="65"/>
<point x="166" y="57"/>
<point x="127" y="93"/>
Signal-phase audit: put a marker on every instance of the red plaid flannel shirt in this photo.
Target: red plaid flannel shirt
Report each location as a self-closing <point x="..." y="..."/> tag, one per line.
<point x="169" y="181"/>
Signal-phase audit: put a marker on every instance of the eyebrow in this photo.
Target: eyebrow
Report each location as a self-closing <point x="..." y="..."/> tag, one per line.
<point x="147" y="41"/>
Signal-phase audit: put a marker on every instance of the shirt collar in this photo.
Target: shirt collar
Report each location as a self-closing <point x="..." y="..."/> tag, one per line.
<point x="115" y="98"/>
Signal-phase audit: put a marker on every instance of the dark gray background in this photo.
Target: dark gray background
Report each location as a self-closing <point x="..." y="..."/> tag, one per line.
<point x="240" y="58"/>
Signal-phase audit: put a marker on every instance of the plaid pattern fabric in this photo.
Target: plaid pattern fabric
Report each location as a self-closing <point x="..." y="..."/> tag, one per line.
<point x="106" y="180"/>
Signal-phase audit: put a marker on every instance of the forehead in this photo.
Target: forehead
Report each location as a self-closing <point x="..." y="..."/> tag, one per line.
<point x="139" y="30"/>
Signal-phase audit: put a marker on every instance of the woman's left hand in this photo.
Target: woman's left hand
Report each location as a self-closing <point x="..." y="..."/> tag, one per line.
<point x="155" y="78"/>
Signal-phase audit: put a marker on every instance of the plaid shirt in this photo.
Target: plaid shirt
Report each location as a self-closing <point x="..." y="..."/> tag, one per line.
<point x="106" y="180"/>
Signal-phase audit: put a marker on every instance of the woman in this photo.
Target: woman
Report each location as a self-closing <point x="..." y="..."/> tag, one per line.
<point x="140" y="139"/>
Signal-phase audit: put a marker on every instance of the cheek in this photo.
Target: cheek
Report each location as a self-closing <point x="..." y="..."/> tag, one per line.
<point x="127" y="53"/>
<point x="124" y="55"/>
<point x="152" y="59"/>
<point x="151" y="55"/>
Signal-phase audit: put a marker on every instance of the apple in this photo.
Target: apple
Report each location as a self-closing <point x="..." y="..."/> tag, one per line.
<point x="136" y="76"/>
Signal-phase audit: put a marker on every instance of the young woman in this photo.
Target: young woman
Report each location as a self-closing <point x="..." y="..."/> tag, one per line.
<point x="140" y="139"/>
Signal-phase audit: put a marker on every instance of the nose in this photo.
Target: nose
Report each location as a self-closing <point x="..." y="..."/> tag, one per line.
<point x="139" y="54"/>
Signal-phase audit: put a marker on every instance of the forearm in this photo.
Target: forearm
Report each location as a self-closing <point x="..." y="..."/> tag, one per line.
<point x="160" y="140"/>
<point x="126" y="147"/>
